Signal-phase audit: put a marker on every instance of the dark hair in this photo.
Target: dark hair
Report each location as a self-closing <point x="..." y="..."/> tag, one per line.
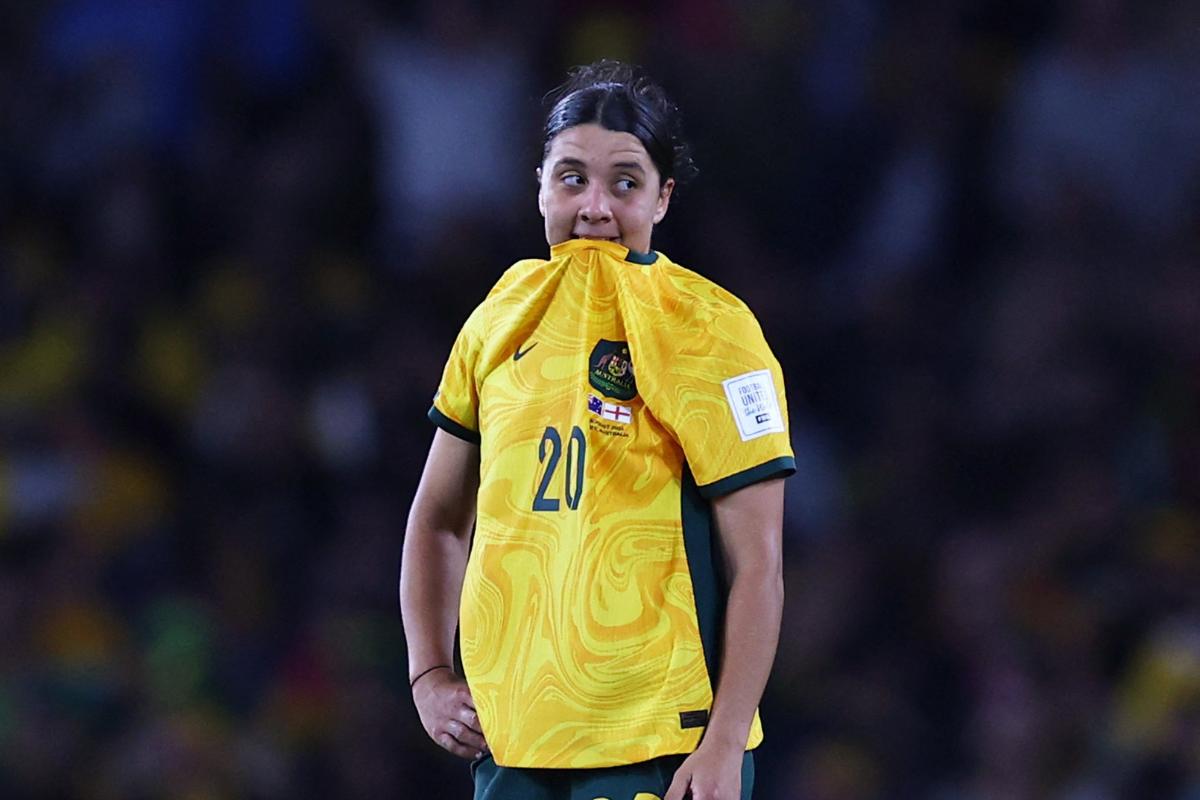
<point x="621" y="98"/>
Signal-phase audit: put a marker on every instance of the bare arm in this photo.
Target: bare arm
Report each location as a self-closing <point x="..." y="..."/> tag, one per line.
<point x="436" y="545"/>
<point x="749" y="525"/>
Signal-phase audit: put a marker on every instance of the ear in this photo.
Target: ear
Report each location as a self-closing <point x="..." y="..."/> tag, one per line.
<point x="541" y="201"/>
<point x="664" y="200"/>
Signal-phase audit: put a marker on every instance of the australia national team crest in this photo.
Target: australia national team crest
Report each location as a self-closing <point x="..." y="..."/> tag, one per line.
<point x="610" y="370"/>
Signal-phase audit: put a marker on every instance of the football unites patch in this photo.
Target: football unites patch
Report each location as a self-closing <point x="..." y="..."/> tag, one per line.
<point x="754" y="404"/>
<point x="610" y="370"/>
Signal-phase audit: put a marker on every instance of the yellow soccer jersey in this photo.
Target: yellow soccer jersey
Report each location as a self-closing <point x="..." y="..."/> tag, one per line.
<point x="612" y="394"/>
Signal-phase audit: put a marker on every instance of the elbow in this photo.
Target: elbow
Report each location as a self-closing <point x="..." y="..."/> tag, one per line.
<point x="774" y="588"/>
<point x="434" y="522"/>
<point x="764" y="579"/>
<point x="773" y="580"/>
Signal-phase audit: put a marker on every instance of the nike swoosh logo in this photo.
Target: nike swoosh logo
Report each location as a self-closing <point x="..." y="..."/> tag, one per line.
<point x="517" y="356"/>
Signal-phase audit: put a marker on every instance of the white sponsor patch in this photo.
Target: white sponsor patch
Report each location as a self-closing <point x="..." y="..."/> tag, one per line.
<point x="754" y="404"/>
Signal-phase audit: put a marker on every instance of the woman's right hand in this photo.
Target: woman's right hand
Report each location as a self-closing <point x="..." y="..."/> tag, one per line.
<point x="447" y="711"/>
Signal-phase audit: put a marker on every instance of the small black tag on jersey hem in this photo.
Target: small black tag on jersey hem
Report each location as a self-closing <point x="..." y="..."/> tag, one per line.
<point x="693" y="719"/>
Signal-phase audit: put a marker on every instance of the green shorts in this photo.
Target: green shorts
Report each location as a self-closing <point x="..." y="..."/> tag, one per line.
<point x="646" y="780"/>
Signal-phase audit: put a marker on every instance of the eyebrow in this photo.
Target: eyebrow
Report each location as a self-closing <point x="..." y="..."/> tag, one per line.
<point x="568" y="161"/>
<point x="578" y="163"/>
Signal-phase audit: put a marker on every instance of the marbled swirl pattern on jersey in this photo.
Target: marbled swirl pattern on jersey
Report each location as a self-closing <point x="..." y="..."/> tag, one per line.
<point x="578" y="625"/>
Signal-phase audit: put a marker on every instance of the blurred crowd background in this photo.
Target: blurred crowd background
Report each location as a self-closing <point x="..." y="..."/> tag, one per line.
<point x="237" y="238"/>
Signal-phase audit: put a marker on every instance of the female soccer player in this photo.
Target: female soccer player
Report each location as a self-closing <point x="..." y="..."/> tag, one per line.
<point x="613" y="428"/>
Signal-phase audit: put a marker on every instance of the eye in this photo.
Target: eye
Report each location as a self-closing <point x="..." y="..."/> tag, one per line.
<point x="626" y="185"/>
<point x="573" y="179"/>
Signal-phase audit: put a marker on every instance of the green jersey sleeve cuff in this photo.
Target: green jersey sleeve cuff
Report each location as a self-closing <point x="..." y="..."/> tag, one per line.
<point x="451" y="427"/>
<point x="775" y="468"/>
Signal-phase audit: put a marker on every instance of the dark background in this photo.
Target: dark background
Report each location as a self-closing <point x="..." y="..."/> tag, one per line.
<point x="237" y="239"/>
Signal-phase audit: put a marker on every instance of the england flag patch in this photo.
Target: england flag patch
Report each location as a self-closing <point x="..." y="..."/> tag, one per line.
<point x="611" y="411"/>
<point x="754" y="404"/>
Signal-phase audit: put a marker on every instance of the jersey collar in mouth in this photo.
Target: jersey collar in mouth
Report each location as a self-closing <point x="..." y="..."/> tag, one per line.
<point x="613" y="248"/>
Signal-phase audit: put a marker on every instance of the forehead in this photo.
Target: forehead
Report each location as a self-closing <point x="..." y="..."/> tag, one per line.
<point x="597" y="146"/>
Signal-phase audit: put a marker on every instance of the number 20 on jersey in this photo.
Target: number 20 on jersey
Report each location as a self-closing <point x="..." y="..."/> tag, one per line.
<point x="550" y="452"/>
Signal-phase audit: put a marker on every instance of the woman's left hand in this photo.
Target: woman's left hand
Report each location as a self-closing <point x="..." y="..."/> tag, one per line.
<point x="708" y="774"/>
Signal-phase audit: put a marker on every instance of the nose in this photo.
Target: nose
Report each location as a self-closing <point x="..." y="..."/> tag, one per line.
<point x="595" y="208"/>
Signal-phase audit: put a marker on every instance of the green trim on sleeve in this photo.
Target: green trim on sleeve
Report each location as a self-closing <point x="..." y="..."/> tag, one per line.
<point x="775" y="468"/>
<point x="451" y="427"/>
